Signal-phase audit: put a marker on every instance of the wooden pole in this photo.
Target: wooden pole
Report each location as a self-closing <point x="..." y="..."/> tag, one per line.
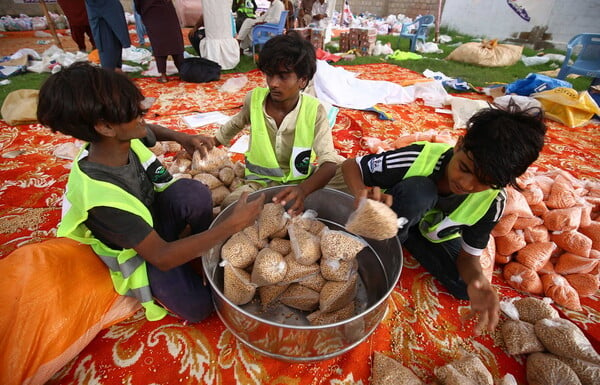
<point x="438" y="22"/>
<point x="50" y="23"/>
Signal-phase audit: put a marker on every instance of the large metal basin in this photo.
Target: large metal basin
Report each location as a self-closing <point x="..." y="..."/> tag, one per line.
<point x="284" y="333"/>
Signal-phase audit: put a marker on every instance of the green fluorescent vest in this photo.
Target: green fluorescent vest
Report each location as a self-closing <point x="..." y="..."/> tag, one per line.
<point x="246" y="9"/>
<point x="127" y="268"/>
<point x="261" y="162"/>
<point x="471" y="210"/>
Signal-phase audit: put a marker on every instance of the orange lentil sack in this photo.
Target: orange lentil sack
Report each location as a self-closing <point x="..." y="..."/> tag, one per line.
<point x="563" y="219"/>
<point x="523" y="278"/>
<point x="536" y="234"/>
<point x="510" y="243"/>
<point x="504" y="225"/>
<point x="586" y="285"/>
<point x="533" y="194"/>
<point x="574" y="242"/>
<point x="569" y="263"/>
<point x="562" y="195"/>
<point x="516" y="203"/>
<point x="593" y="232"/>
<point x="560" y="290"/>
<point x="535" y="255"/>
<point x="539" y="209"/>
<point x="527" y="222"/>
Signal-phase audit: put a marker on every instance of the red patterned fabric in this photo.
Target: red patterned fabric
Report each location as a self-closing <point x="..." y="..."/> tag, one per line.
<point x="422" y="329"/>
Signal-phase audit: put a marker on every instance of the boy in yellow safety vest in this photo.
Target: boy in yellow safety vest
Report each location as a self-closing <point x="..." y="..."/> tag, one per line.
<point x="289" y="130"/>
<point x="123" y="202"/>
<point x="453" y="197"/>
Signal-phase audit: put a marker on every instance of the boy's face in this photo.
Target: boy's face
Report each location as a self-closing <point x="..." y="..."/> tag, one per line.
<point x="285" y="86"/>
<point x="461" y="174"/>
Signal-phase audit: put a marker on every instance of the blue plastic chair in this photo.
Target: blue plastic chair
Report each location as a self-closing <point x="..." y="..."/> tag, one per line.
<point x="587" y="62"/>
<point x="263" y="32"/>
<point x="417" y="30"/>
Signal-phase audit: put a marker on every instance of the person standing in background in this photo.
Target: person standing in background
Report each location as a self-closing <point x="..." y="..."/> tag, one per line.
<point x="109" y="28"/>
<point x="272" y="15"/>
<point x="140" y="29"/>
<point x="244" y="9"/>
<point x="162" y="25"/>
<point x="79" y="23"/>
<point x="305" y="14"/>
<point x="319" y="13"/>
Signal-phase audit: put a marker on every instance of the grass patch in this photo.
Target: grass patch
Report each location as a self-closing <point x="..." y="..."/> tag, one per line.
<point x="475" y="75"/>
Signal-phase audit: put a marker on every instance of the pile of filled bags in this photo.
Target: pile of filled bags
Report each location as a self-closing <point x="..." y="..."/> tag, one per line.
<point x="548" y="239"/>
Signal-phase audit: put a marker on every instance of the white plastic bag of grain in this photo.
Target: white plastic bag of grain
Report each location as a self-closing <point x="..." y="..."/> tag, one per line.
<point x="297" y="271"/>
<point x="588" y="373"/>
<point x="280" y="245"/>
<point x="269" y="268"/>
<point x="547" y="369"/>
<point x="271" y="220"/>
<point x="338" y="269"/>
<point x="314" y="281"/>
<point x="252" y="233"/>
<point x="300" y="297"/>
<point x="340" y="245"/>
<point x="373" y="219"/>
<point x="509" y="309"/>
<point x="226" y="175"/>
<point x="519" y="337"/>
<point x="533" y="309"/>
<point x="386" y="371"/>
<point x="466" y="370"/>
<point x="239" y="251"/>
<point x="236" y="285"/>
<point x="306" y="246"/>
<point x="321" y="318"/>
<point x="336" y="295"/>
<point x="219" y="194"/>
<point x="270" y="294"/>
<point x="208" y="180"/>
<point x="212" y="162"/>
<point x="305" y="219"/>
<point x="508" y="379"/>
<point x="563" y="338"/>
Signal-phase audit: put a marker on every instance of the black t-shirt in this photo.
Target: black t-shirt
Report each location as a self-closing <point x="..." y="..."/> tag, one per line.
<point x="388" y="168"/>
<point x="117" y="228"/>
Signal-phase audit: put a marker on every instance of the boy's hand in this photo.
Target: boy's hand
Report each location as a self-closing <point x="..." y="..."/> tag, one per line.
<point x="200" y="143"/>
<point x="375" y="194"/>
<point x="292" y="193"/>
<point x="245" y="213"/>
<point x="484" y="305"/>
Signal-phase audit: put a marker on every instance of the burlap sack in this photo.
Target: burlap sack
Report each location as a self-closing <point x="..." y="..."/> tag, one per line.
<point x="487" y="54"/>
<point x="20" y="107"/>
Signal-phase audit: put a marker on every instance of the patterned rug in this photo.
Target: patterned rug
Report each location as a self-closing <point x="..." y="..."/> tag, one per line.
<point x="422" y="327"/>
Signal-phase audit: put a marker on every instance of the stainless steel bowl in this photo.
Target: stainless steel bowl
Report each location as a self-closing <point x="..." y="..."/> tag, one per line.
<point x="284" y="333"/>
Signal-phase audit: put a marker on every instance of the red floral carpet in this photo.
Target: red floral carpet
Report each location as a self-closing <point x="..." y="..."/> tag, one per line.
<point x="422" y="328"/>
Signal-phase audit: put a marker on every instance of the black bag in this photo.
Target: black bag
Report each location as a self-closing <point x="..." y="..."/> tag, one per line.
<point x="199" y="70"/>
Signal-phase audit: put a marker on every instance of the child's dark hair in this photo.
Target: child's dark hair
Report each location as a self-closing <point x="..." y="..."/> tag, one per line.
<point x="503" y="143"/>
<point x="75" y="99"/>
<point x="290" y="53"/>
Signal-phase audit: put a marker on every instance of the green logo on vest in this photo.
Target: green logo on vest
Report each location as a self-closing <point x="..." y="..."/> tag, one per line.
<point x="302" y="161"/>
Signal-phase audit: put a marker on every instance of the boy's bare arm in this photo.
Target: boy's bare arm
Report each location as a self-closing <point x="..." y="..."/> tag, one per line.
<point x="167" y="255"/>
<point x="484" y="299"/>
<point x="299" y="192"/>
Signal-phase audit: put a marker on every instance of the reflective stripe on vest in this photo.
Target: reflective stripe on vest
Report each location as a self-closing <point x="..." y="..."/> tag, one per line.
<point x="261" y="161"/>
<point x="471" y="210"/>
<point x="127" y="269"/>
